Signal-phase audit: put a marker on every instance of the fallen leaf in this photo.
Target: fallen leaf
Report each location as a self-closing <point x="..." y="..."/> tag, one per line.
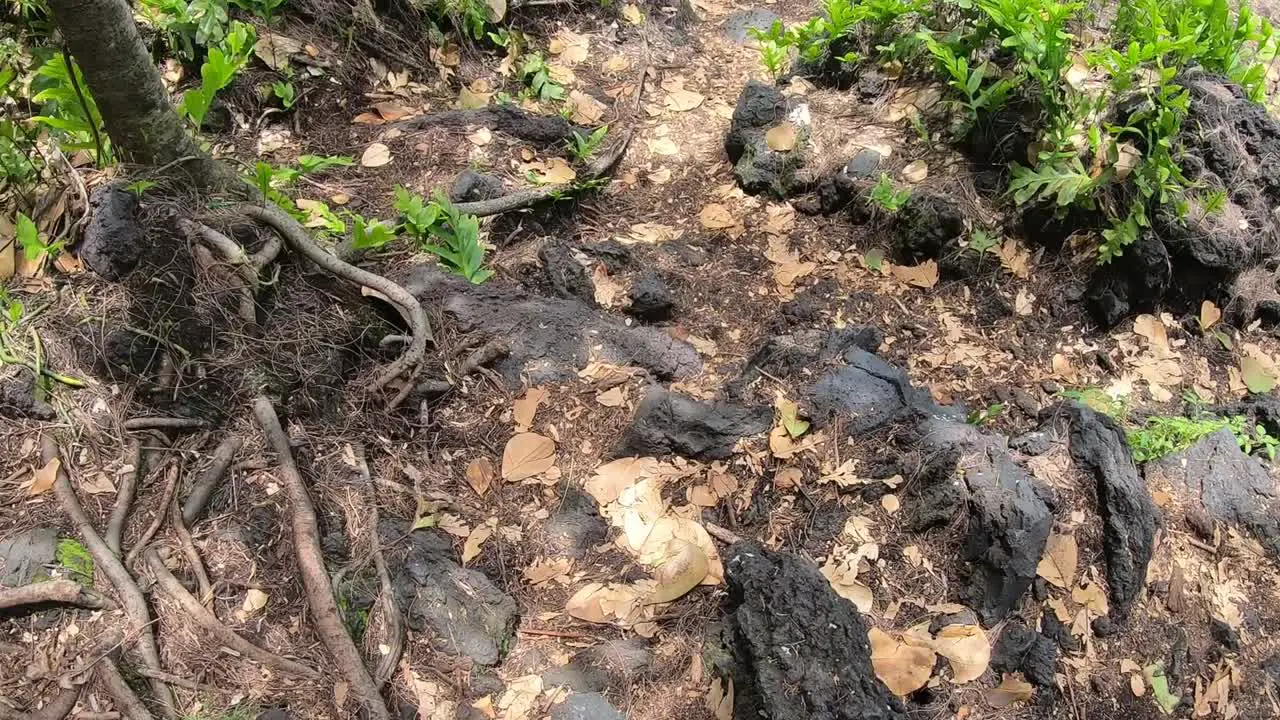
<point x="966" y="648"/>
<point x="274" y="50"/>
<point x="890" y="503"/>
<point x="720" y="698"/>
<point x="392" y="112"/>
<point x="1014" y="259"/>
<point x="1150" y="327"/>
<point x="481" y="137"/>
<point x="1092" y="597"/>
<point x="924" y="275"/>
<point x="376" y="155"/>
<point x="552" y="172"/>
<point x="469" y="99"/>
<point x="471" y="548"/>
<point x="1058" y="564"/>
<point x="1012" y="689"/>
<point x="97" y="484"/>
<point x="544" y="569"/>
<point x="527" y="454"/>
<point x="681" y="100"/>
<point x="610" y="479"/>
<point x="664" y="146"/>
<point x="1022" y="302"/>
<point x="1136" y="685"/>
<point x="1127" y="158"/>
<point x="570" y="46"/>
<point x="717" y="217"/>
<point x="915" y="171"/>
<point x="782" y="138"/>
<point x="254" y="600"/>
<point x="788" y="414"/>
<point x="480" y="475"/>
<point x="787" y="478"/>
<point x="525" y="408"/>
<point x="586" y="109"/>
<point x="44" y="478"/>
<point x="632" y="14"/>
<point x="682" y="572"/>
<point x="903" y="665"/>
<point x="497" y="10"/>
<point x="1209" y="314"/>
<point x="1256" y="375"/>
<point x="613" y="397"/>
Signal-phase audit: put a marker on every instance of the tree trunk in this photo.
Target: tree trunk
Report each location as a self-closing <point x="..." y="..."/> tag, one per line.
<point x="142" y="123"/>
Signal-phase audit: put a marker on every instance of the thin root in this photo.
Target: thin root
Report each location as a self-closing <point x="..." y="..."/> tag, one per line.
<point x="124" y="499"/>
<point x="170" y="484"/>
<point x="395" y="624"/>
<point x="65" y="592"/>
<point x="204" y="486"/>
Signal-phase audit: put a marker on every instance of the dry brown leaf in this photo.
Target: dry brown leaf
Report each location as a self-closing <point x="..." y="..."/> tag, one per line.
<point x="1058" y="565"/>
<point x="632" y="14"/>
<point x="481" y="137"/>
<point x="471" y="548"/>
<point x="1209" y="314"/>
<point x="1150" y="327"/>
<point x="376" y="155"/>
<point x="915" y="171"/>
<point x="570" y="46"/>
<point x="552" y="172"/>
<point x="480" y="475"/>
<point x="525" y="408"/>
<point x="526" y="455"/>
<point x="924" y="275"/>
<point x="663" y="146"/>
<point x="613" y="397"/>
<point x="890" y="503"/>
<point x="254" y="600"/>
<point x="392" y="112"/>
<point x="720" y="698"/>
<point x="612" y="478"/>
<point x="966" y="648"/>
<point x="1092" y="597"/>
<point x="681" y="100"/>
<point x="717" y="217"/>
<point x="469" y="99"/>
<point x="1012" y="689"/>
<point x="97" y="484"/>
<point x="274" y="49"/>
<point x="683" y="571"/>
<point x="903" y="665"/>
<point x="782" y="138"/>
<point x="787" y="478"/>
<point x="1014" y="259"/>
<point x="544" y="569"/>
<point x="1137" y="685"/>
<point x="586" y="109"/>
<point x="44" y="478"/>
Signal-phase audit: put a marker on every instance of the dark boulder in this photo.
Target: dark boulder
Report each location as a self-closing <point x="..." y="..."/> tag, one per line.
<point x="26" y="557"/>
<point x="670" y="424"/>
<point x="801" y="354"/>
<point x="798" y="651"/>
<point x="651" y="298"/>
<point x="864" y="392"/>
<point x="18" y="400"/>
<point x="471" y="186"/>
<point x="1229" y="485"/>
<point x="928" y="227"/>
<point x="461" y="609"/>
<point x="586" y="706"/>
<point x="1022" y="649"/>
<point x="568" y="277"/>
<point x="549" y="339"/>
<point x="612" y="665"/>
<point x="738" y="26"/>
<point x="113" y="238"/>
<point x="1129" y="516"/>
<point x="758" y="169"/>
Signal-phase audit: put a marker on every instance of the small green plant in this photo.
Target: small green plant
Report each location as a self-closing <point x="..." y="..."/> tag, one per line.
<point x="76" y="560"/>
<point x="537" y="76"/>
<point x="264" y="9"/>
<point x="442" y="230"/>
<point x="32" y="244"/>
<point x="773" y="44"/>
<point x="884" y="195"/>
<point x="369" y="234"/>
<point x="582" y="148"/>
<point x="222" y="65"/>
<point x="140" y="187"/>
<point x="1163" y="435"/>
<point x="985" y="415"/>
<point x="186" y="26"/>
<point x="312" y="164"/>
<point x="981" y="241"/>
<point x="69" y="110"/>
<point x="285" y="92"/>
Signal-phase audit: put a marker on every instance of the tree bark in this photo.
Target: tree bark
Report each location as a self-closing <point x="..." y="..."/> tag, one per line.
<point x="142" y="123"/>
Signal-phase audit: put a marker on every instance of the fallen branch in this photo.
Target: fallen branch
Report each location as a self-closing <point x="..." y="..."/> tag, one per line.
<point x="395" y="624"/>
<point x="163" y="423"/>
<point x="182" y="682"/>
<point x="63" y="592"/>
<point x="204" y="486"/>
<point x="207" y="621"/>
<point x="410" y="309"/>
<point x="484" y="355"/>
<point x="131" y="598"/>
<point x="235" y="256"/>
<point x="727" y="537"/>
<point x="170" y="484"/>
<point x="124" y="499"/>
<point x="315" y="579"/>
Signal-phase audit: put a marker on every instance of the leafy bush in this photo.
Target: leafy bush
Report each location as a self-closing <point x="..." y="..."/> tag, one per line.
<point x="72" y="114"/>
<point x="224" y="62"/>
<point x="1163" y="435"/>
<point x="186" y="26"/>
<point x="886" y="197"/>
<point x="442" y="230"/>
<point x="582" y="148"/>
<point x="537" y="76"/>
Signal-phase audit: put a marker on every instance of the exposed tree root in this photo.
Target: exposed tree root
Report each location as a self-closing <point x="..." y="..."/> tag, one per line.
<point x="395" y="624"/>
<point x="207" y="621"/>
<point x="193" y="555"/>
<point x="409" y="363"/>
<point x="124" y="499"/>
<point x="170" y="484"/>
<point x="235" y="256"/>
<point x="131" y="598"/>
<point x="208" y="481"/>
<point x="484" y="355"/>
<point x="163" y="423"/>
<point x="506" y="119"/>
<point x="57" y="709"/>
<point x="64" y="592"/>
<point x="725" y="536"/>
<point x="315" y="579"/>
<point x="126" y="701"/>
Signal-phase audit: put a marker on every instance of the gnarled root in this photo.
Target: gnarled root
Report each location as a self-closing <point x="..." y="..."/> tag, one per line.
<point x="65" y="592"/>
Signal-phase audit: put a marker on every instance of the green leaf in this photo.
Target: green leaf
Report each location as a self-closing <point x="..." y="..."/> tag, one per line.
<point x="29" y="238"/>
<point x="1257" y="377"/>
<point x="794" y="426"/>
<point x="1165" y="700"/>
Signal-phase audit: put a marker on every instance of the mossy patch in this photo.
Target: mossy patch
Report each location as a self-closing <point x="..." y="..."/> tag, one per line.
<point x="75" y="559"/>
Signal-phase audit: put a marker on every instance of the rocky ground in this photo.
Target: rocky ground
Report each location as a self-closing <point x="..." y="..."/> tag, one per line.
<point x="721" y="439"/>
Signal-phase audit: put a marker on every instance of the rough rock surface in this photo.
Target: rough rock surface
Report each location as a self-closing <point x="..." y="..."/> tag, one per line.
<point x="462" y="609"/>
<point x="113" y="239"/>
<point x="865" y="392"/>
<point x="586" y="706"/>
<point x="667" y="423"/>
<point x="1129" y="516"/>
<point x="549" y="339"/>
<point x="18" y="397"/>
<point x="651" y="298"/>
<point x="757" y="168"/>
<point x="471" y="186"/>
<point x="803" y="352"/>
<point x="26" y="556"/>
<point x="1022" y="649"/>
<point x="1231" y="486"/>
<point x="927" y="227"/>
<point x="576" y="526"/>
<point x="1132" y="283"/>
<point x="567" y="276"/>
<point x="738" y="26"/>
<point x="799" y="650"/>
<point x="611" y="665"/>
<point x="1008" y="518"/>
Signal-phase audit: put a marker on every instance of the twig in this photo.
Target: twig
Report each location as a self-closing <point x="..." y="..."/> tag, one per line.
<point x="209" y="622"/>
<point x="536" y="632"/>
<point x="395" y="625"/>
<point x="204" y="486"/>
<point x="181" y="681"/>
<point x="297" y="238"/>
<point x="130" y="707"/>
<point x="727" y="537"/>
<point x="315" y="579"/>
<point x="131" y="598"/>
<point x="163" y="423"/>
<point x="66" y="592"/>
<point x="170" y="483"/>
<point x="193" y="555"/>
<point x="124" y="499"/>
